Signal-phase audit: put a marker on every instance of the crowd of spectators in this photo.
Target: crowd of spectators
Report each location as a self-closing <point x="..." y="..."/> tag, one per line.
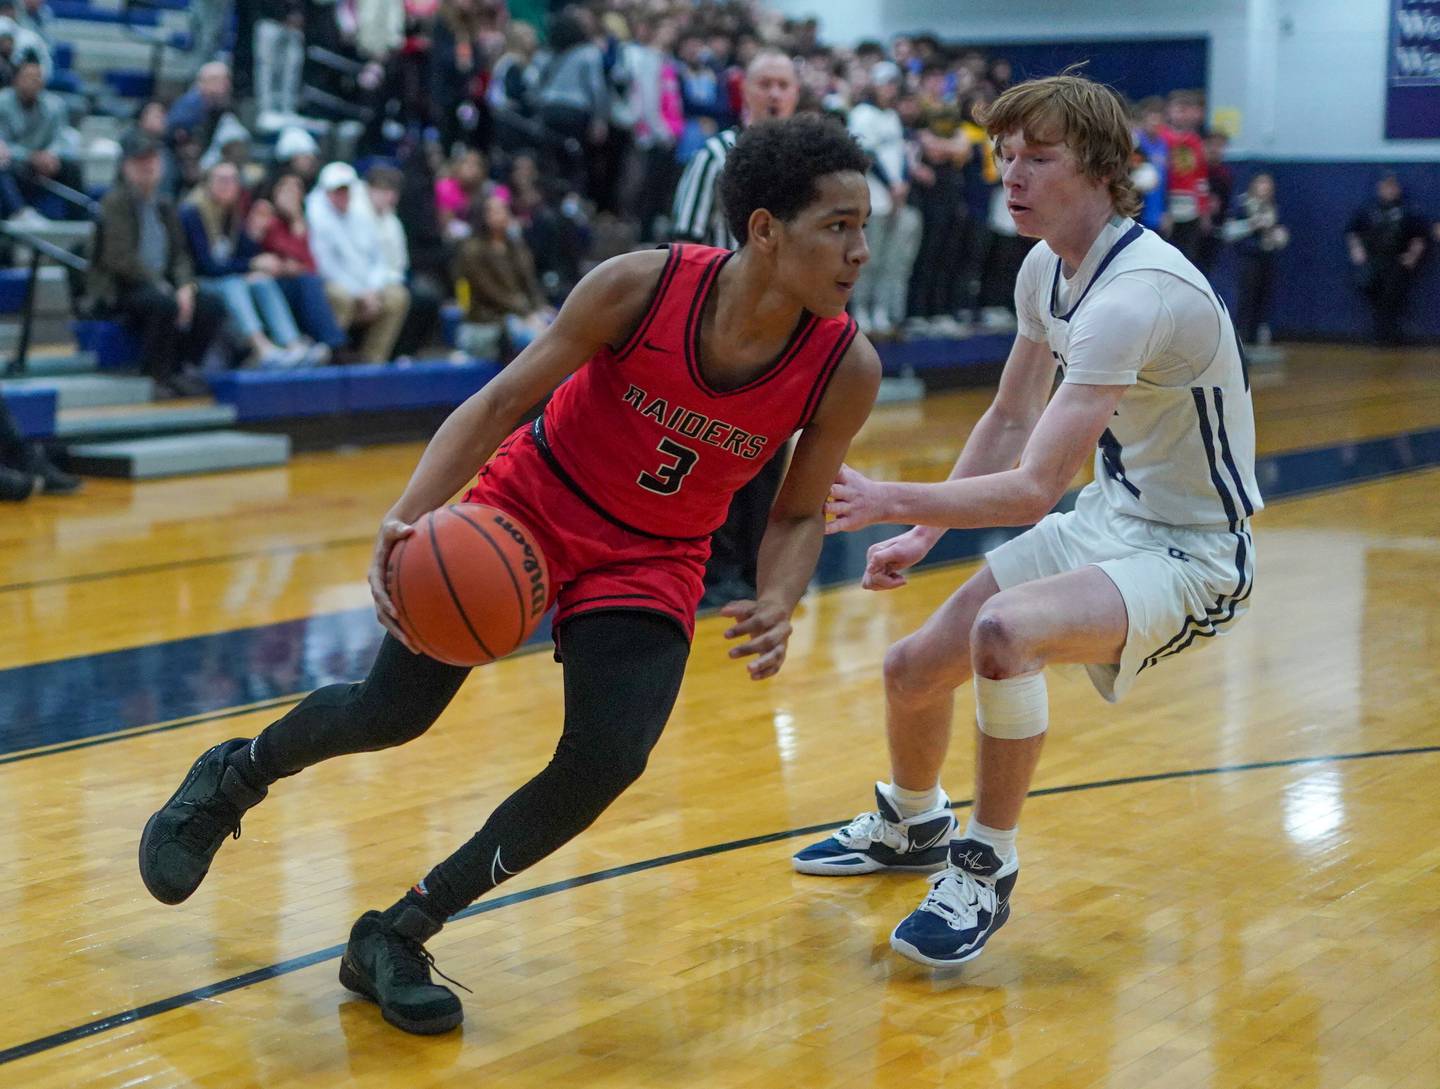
<point x="323" y="205"/>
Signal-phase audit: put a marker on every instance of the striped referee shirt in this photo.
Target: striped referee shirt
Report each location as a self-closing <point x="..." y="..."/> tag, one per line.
<point x="697" y="216"/>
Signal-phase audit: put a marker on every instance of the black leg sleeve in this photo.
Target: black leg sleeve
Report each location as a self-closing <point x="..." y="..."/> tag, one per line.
<point x="400" y="699"/>
<point x="622" y="674"/>
<point x="13" y="446"/>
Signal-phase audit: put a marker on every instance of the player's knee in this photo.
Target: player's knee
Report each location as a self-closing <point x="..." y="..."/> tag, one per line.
<point x="385" y="726"/>
<point x="626" y="766"/>
<point x="911" y="672"/>
<point x="998" y="645"/>
<point x="609" y="767"/>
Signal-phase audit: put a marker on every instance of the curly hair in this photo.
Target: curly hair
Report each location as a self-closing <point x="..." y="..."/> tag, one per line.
<point x="775" y="165"/>
<point x="1088" y="116"/>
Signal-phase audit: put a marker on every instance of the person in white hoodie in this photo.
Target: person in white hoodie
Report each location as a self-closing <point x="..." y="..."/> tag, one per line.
<point x="364" y="289"/>
<point x="894" y="228"/>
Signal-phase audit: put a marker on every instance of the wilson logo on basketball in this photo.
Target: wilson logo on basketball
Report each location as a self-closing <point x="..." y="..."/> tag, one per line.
<point x="533" y="571"/>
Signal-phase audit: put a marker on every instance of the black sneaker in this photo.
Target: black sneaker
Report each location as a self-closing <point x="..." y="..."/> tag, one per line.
<point x="52" y="480"/>
<point x="180" y="840"/>
<point x="15" y="485"/>
<point x="386" y="961"/>
<point x="190" y="384"/>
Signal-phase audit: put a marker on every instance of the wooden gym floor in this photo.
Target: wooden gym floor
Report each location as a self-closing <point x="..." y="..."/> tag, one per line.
<point x="1229" y="880"/>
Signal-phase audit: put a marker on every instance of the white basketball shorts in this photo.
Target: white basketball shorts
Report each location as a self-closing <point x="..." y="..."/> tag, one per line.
<point x="1181" y="584"/>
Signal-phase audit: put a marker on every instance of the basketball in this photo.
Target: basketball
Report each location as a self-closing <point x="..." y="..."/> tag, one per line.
<point x="469" y="584"/>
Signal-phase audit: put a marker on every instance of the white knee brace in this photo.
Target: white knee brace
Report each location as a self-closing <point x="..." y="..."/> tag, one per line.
<point x="1012" y="709"/>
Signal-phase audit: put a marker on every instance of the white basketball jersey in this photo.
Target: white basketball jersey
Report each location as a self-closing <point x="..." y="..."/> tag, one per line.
<point x="1181" y="448"/>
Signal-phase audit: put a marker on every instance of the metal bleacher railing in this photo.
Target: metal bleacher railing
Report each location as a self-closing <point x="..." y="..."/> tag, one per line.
<point x="139" y="18"/>
<point x="39" y="250"/>
<point x="333" y="106"/>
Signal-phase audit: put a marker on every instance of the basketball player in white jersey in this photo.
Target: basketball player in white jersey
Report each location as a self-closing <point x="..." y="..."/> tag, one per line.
<point x="1155" y="558"/>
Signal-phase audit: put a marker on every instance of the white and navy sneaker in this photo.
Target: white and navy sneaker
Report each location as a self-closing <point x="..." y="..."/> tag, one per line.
<point x="883" y="840"/>
<point x="968" y="901"/>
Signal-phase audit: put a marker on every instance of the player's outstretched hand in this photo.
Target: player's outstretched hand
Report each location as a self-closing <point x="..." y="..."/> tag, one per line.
<point x="392" y="531"/>
<point x="768" y="628"/>
<point x="854" y="502"/>
<point x="886" y="561"/>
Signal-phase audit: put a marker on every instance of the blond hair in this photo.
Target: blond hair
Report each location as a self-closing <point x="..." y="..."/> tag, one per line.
<point x="1086" y="116"/>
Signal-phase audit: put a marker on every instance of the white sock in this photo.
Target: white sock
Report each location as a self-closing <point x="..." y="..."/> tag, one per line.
<point x="1002" y="840"/>
<point x="911" y="803"/>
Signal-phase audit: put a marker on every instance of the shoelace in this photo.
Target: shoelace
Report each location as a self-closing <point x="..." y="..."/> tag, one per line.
<point x="958" y="898"/>
<point x="209" y="822"/>
<point x="413" y="962"/>
<point x="870" y="827"/>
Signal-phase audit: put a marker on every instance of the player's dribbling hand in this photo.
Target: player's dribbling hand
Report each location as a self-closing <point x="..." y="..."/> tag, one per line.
<point x="768" y="628"/>
<point x="854" y="502"/>
<point x="392" y="531"/>
<point x="885" y="561"/>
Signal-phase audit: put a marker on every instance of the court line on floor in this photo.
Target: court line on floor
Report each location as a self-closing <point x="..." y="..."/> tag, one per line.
<point x="295" y="964"/>
<point x="343" y="542"/>
<point x="837" y="568"/>
<point x="194" y="561"/>
<point x="154" y="728"/>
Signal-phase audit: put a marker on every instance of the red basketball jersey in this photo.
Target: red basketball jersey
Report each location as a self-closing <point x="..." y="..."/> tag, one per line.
<point x="640" y="434"/>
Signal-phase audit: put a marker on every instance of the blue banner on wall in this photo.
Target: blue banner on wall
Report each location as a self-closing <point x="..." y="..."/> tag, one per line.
<point x="1412" y="84"/>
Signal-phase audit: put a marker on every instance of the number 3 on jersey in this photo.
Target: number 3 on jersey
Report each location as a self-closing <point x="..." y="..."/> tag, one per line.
<point x="667" y="479"/>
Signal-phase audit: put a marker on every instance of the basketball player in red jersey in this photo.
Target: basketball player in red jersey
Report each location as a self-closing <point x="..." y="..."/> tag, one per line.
<point x="690" y="367"/>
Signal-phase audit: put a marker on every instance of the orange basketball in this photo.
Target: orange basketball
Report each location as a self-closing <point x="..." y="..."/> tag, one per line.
<point x="469" y="584"/>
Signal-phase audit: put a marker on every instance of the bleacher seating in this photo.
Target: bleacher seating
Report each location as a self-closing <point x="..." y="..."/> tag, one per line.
<point x="360" y="387"/>
<point x="114" y="346"/>
<point x="105" y="60"/>
<point x="96" y="13"/>
<point x="34" y="411"/>
<point x="928" y="354"/>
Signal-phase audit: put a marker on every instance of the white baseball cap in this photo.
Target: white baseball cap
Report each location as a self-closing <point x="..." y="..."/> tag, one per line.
<point x="337" y="176"/>
<point x="295" y="141"/>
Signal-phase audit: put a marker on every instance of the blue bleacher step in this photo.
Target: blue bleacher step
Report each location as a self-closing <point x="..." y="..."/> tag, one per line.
<point x="137" y="420"/>
<point x="900" y="389"/>
<point x="51" y="366"/>
<point x="44" y="329"/>
<point x="179" y="455"/>
<point x="89" y="390"/>
<point x="52" y="290"/>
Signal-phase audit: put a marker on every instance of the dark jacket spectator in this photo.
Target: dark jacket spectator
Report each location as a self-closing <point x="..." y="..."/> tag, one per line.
<point x="1221" y="181"/>
<point x="141" y="271"/>
<point x="119" y="266"/>
<point x="500" y="273"/>
<point x="1386" y="239"/>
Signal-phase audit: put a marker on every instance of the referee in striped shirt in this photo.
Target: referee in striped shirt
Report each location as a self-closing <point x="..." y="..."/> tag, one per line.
<point x="771" y="90"/>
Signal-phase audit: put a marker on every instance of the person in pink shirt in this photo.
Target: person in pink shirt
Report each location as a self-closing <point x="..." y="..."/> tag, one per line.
<point x="460" y="192"/>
